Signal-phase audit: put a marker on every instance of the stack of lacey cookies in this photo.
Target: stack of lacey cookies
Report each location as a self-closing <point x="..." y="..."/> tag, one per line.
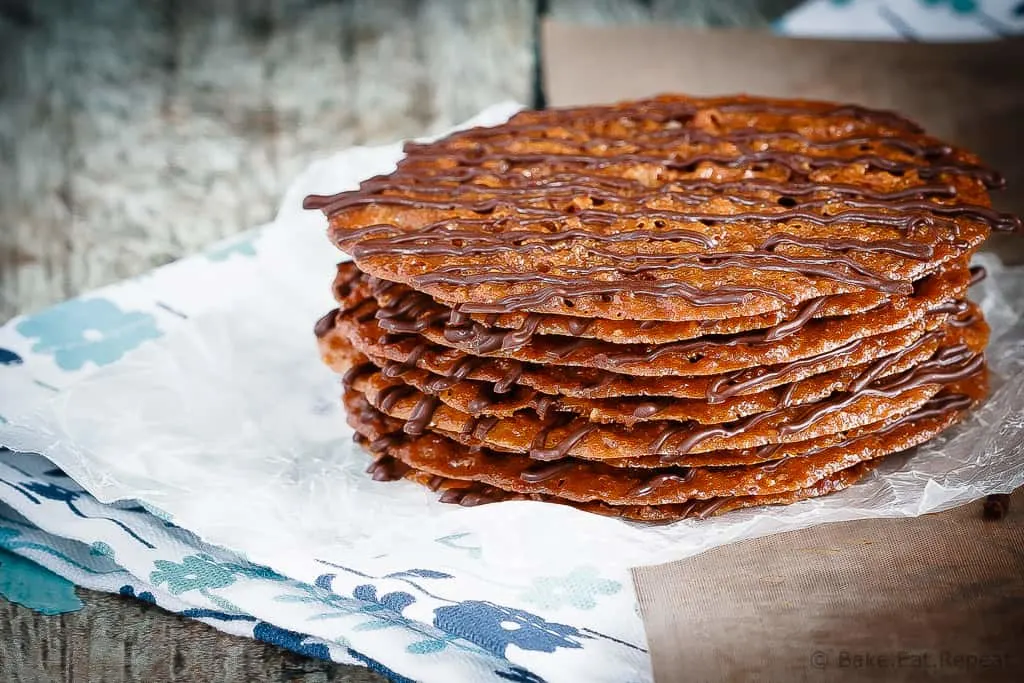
<point x="660" y="309"/>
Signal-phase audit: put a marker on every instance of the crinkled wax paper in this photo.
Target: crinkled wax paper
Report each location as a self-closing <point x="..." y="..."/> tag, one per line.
<point x="229" y="422"/>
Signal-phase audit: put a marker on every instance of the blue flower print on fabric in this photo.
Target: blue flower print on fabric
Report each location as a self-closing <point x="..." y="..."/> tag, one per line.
<point x="395" y="601"/>
<point x="144" y="596"/>
<point x="196" y="572"/>
<point x="9" y="358"/>
<point x="579" y="588"/>
<point x="517" y="674"/>
<point x="53" y="492"/>
<point x="69" y="496"/>
<point x="494" y="628"/>
<point x="290" y="640"/>
<point x="374" y="665"/>
<point x="87" y="330"/>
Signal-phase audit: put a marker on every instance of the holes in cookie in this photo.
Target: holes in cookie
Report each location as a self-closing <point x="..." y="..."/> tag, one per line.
<point x="570" y="208"/>
<point x="606" y="298"/>
<point x="695" y="357"/>
<point x="690" y="167"/>
<point x="708" y="222"/>
<point x="680" y="119"/>
<point x="865" y="147"/>
<point x="786" y="201"/>
<point x="899" y="173"/>
<point x="659" y="223"/>
<point x="568" y="304"/>
<point x="597" y="201"/>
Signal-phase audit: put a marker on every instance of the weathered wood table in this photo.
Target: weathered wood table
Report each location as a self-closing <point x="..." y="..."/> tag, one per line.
<point x="132" y="134"/>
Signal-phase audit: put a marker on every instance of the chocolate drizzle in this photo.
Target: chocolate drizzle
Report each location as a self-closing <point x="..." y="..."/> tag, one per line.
<point x="421" y="415"/>
<point x="646" y="409"/>
<point x="767" y="212"/>
<point x="387" y="468"/>
<point x="937" y="407"/>
<point x="794" y="324"/>
<point x="545" y="202"/>
<point x="355" y="372"/>
<point x="543" y="471"/>
<point x="325" y="324"/>
<point x="471" y="496"/>
<point x="648" y="487"/>
<point x="478" y="427"/>
<point x="719" y="388"/>
<point x="748" y="381"/>
<point x="390" y="396"/>
<point x="796" y="162"/>
<point x="948" y="365"/>
<point x="474" y="337"/>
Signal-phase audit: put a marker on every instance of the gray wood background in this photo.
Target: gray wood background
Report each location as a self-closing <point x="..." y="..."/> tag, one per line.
<point x="134" y="132"/>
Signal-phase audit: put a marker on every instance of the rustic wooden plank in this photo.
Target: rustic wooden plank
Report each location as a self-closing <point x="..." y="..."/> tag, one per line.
<point x="34" y="211"/>
<point x="134" y="133"/>
<point x="115" y="639"/>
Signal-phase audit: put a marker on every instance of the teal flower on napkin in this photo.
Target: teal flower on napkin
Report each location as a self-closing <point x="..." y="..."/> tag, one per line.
<point x="958" y="6"/>
<point x="244" y="246"/>
<point x="101" y="549"/>
<point x="83" y="330"/>
<point x="195" y="572"/>
<point x="26" y="583"/>
<point x="578" y="588"/>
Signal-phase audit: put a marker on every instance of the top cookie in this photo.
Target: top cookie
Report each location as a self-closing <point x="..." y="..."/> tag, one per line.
<point x="671" y="208"/>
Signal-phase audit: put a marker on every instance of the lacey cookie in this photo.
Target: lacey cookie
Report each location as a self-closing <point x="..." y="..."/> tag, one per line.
<point x="660" y="309"/>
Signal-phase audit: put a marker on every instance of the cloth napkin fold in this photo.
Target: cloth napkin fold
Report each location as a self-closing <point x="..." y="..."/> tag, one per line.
<point x="125" y="548"/>
<point x="50" y="520"/>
